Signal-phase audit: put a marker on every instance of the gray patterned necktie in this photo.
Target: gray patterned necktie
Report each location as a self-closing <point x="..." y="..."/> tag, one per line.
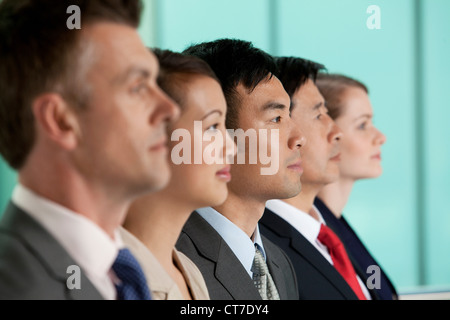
<point x="262" y="279"/>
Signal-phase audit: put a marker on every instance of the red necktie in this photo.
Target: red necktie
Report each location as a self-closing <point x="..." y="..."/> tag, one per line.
<point x="340" y="259"/>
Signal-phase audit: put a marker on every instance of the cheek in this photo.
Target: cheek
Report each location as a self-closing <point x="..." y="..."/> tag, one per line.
<point x="213" y="149"/>
<point x="198" y="184"/>
<point x="186" y="180"/>
<point x="355" y="148"/>
<point x="312" y="162"/>
<point x="194" y="176"/>
<point x="355" y="156"/>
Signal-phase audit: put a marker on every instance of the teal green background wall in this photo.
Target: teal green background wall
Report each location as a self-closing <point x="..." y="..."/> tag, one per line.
<point x="403" y="216"/>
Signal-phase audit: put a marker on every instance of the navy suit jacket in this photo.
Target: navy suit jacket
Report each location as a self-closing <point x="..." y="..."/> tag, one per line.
<point x="358" y="253"/>
<point x="317" y="278"/>
<point x="224" y="274"/>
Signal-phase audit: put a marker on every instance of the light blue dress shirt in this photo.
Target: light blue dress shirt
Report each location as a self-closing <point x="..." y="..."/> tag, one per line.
<point x="239" y="242"/>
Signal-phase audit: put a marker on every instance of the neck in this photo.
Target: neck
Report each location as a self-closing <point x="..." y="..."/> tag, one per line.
<point x="335" y="195"/>
<point x="156" y="220"/>
<point x="305" y="199"/>
<point x="69" y="189"/>
<point x="243" y="212"/>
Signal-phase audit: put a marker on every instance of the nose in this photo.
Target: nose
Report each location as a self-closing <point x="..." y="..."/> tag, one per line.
<point x="166" y="109"/>
<point x="380" y="138"/>
<point x="297" y="138"/>
<point x="230" y="148"/>
<point x="335" y="134"/>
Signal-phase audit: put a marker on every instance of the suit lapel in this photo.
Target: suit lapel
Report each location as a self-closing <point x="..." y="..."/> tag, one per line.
<point x="228" y="269"/>
<point x="50" y="253"/>
<point x="277" y="275"/>
<point x="233" y="276"/>
<point x="310" y="254"/>
<point x="304" y="248"/>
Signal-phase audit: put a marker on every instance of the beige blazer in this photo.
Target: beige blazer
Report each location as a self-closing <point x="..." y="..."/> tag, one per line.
<point x="161" y="285"/>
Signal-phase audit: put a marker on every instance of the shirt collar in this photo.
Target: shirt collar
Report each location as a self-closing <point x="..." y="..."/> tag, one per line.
<point x="238" y="241"/>
<point x="300" y="220"/>
<point x="86" y="242"/>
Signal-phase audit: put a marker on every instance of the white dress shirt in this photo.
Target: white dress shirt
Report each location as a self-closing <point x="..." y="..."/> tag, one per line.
<point x="91" y="247"/>
<point x="308" y="227"/>
<point x="239" y="242"/>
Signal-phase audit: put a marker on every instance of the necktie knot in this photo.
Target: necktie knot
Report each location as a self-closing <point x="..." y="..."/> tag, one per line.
<point x="262" y="278"/>
<point x="328" y="237"/>
<point x="259" y="266"/>
<point x="133" y="284"/>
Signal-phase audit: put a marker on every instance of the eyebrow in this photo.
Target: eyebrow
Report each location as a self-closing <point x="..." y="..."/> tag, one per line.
<point x="366" y="115"/>
<point x="317" y="106"/>
<point x="211" y="113"/>
<point x="140" y="72"/>
<point x="273" y="105"/>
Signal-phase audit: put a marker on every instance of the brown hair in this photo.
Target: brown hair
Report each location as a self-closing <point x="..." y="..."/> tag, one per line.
<point x="332" y="88"/>
<point x="40" y="54"/>
<point x="176" y="68"/>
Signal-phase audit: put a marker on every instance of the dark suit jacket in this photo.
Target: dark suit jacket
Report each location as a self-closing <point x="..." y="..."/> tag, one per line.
<point x="358" y="253"/>
<point x="224" y="274"/>
<point x="317" y="278"/>
<point x="33" y="265"/>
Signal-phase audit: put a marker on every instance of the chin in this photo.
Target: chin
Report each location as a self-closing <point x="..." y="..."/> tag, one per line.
<point x="218" y="195"/>
<point x="213" y="201"/>
<point x="377" y="171"/>
<point x="160" y="182"/>
<point x="376" y="175"/>
<point x="370" y="175"/>
<point x="286" y="193"/>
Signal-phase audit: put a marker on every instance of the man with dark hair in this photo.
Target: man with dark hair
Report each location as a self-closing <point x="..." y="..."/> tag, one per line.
<point x="83" y="122"/>
<point x="295" y="224"/>
<point x="224" y="241"/>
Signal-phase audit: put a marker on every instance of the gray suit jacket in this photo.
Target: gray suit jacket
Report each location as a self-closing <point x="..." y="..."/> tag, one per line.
<point x="33" y="265"/>
<point x="224" y="274"/>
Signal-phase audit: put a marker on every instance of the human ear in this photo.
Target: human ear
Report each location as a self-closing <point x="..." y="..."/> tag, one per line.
<point x="56" y="120"/>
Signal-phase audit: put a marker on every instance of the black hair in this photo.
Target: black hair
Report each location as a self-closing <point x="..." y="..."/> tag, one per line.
<point x="235" y="62"/>
<point x="293" y="72"/>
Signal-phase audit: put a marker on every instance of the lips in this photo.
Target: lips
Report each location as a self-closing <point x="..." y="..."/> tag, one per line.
<point x="297" y="166"/>
<point x="160" y="146"/>
<point x="336" y="157"/>
<point x="224" y="174"/>
<point x="377" y="156"/>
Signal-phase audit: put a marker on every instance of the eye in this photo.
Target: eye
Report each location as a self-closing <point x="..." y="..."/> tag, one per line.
<point x="141" y="87"/>
<point x="276" y="120"/>
<point x="319" y="116"/>
<point x="362" y="126"/>
<point x="214" y="127"/>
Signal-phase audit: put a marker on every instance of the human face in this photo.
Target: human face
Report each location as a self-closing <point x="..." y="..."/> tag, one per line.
<point x="267" y="108"/>
<point x="321" y="154"/>
<point x="362" y="141"/>
<point x="122" y="138"/>
<point x="202" y="184"/>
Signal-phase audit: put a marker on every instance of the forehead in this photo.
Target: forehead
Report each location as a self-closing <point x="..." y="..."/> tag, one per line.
<point x="355" y="101"/>
<point x="267" y="91"/>
<point x="307" y="96"/>
<point x="203" y="93"/>
<point x="117" y="48"/>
